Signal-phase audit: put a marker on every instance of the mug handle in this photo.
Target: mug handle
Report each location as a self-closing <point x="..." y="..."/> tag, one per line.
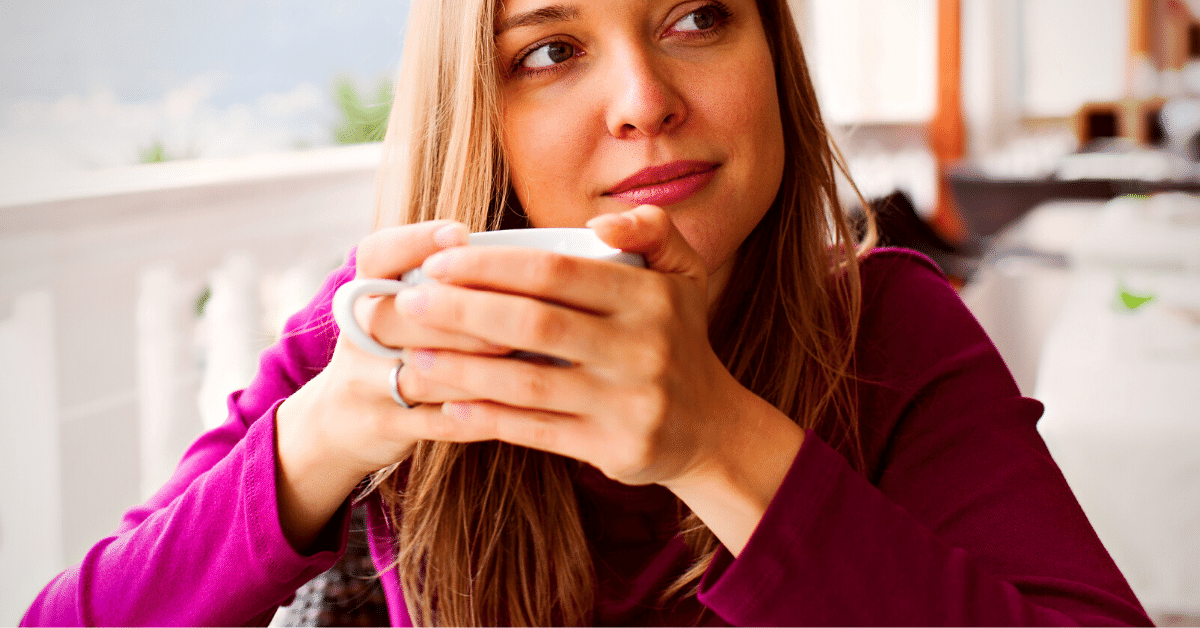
<point x="343" y="313"/>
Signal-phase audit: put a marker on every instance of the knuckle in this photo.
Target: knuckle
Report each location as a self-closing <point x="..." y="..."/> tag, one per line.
<point x="534" y="387"/>
<point x="652" y="355"/>
<point x="541" y="437"/>
<point x="437" y="427"/>
<point x="658" y="303"/>
<point x="540" y="324"/>
<point x="451" y="309"/>
<point x="546" y="271"/>
<point x="634" y="457"/>
<point x="383" y="423"/>
<point x="413" y="386"/>
<point x="383" y="253"/>
<point x="646" y="405"/>
<point x="357" y="388"/>
<point x="369" y="253"/>
<point x="376" y="252"/>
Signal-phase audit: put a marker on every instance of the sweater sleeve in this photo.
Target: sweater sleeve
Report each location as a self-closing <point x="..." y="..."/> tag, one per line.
<point x="961" y="517"/>
<point x="208" y="548"/>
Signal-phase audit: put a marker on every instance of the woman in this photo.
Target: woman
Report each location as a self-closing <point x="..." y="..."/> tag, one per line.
<point x="750" y="432"/>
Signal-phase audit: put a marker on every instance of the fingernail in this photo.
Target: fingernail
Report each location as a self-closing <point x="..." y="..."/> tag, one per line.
<point x="413" y="301"/>
<point x="458" y="410"/>
<point x="436" y="265"/>
<point x="450" y="235"/>
<point x="420" y="359"/>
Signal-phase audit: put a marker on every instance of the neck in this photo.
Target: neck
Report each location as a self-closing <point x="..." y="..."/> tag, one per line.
<point x="717" y="280"/>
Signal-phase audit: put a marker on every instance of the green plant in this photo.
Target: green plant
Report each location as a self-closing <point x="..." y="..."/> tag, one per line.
<point x="156" y="153"/>
<point x="1131" y="301"/>
<point x="362" y="121"/>
<point x="202" y="301"/>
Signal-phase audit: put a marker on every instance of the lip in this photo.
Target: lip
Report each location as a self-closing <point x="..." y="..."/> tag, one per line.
<point x="665" y="184"/>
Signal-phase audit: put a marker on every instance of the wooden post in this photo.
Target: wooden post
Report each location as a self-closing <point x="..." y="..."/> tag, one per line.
<point x="948" y="128"/>
<point x="1176" y="22"/>
<point x="1140" y="13"/>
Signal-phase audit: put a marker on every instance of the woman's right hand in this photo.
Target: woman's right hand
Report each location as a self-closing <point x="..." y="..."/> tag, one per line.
<point x="343" y="424"/>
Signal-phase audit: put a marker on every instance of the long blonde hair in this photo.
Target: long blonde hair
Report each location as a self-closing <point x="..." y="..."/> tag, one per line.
<point x="490" y="533"/>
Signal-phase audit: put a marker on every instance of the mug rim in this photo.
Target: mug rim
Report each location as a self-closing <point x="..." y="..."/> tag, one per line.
<point x="576" y="241"/>
<point x="535" y="234"/>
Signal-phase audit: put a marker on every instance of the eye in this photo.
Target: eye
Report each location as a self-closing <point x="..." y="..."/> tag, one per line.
<point x="546" y="55"/>
<point x="702" y="19"/>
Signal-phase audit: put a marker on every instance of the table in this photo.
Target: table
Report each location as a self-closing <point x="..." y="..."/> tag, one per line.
<point x="1122" y="395"/>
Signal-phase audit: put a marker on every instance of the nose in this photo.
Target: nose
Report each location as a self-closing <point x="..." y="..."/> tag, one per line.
<point x="644" y="100"/>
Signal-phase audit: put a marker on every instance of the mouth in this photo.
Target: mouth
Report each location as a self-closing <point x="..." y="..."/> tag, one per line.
<point x="666" y="184"/>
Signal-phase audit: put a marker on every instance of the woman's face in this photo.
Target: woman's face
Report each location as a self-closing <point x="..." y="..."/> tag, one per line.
<point x="611" y="104"/>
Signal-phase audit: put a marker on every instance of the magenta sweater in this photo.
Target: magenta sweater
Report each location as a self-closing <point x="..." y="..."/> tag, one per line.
<point x="962" y="517"/>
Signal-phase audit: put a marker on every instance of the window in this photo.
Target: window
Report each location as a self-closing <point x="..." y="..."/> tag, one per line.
<point x="875" y="61"/>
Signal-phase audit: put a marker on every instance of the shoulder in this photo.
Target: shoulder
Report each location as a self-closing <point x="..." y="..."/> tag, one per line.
<point x="903" y="291"/>
<point x="896" y="273"/>
<point x="926" y="375"/>
<point x="910" y="309"/>
<point x="919" y="347"/>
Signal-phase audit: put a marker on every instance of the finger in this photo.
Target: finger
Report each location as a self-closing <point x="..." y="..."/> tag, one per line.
<point x="648" y="230"/>
<point x="379" y="317"/>
<point x="511" y="382"/>
<point x="430" y="422"/>
<point x="520" y="322"/>
<point x="544" y="431"/>
<point x="476" y="421"/>
<point x="597" y="286"/>
<point x="426" y="421"/>
<point x="415" y="387"/>
<point x="389" y="253"/>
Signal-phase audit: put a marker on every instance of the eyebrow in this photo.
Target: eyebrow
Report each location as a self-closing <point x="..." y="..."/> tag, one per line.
<point x="552" y="13"/>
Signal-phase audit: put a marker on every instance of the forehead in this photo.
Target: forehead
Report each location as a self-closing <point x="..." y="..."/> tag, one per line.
<point x="511" y="13"/>
<point x="518" y="13"/>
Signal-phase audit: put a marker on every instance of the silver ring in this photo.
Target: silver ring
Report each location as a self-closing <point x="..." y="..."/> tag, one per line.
<point x="394" y="386"/>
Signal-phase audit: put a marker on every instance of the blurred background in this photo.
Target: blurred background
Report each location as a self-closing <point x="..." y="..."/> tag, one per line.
<point x="177" y="177"/>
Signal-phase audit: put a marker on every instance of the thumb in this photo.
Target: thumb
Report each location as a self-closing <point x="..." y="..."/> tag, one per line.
<point x="648" y="230"/>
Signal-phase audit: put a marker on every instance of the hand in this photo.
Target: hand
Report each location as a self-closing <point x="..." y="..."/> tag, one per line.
<point x="646" y="400"/>
<point x="343" y="424"/>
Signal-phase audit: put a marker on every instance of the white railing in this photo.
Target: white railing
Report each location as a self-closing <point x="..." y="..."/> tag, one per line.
<point x="103" y="348"/>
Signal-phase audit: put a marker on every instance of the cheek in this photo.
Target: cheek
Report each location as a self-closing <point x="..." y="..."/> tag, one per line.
<point x="745" y="115"/>
<point x="545" y="154"/>
<point x="761" y="123"/>
<point x="751" y="110"/>
<point x="527" y="144"/>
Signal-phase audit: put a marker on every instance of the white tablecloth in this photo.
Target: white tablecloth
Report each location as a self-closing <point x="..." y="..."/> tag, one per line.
<point x="1122" y="396"/>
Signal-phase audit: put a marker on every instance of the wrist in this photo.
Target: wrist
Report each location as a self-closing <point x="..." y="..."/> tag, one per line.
<point x="312" y="482"/>
<point x="303" y="443"/>
<point x="731" y="490"/>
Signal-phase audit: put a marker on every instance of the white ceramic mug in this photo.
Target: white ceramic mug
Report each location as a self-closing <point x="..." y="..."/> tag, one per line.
<point x="568" y="241"/>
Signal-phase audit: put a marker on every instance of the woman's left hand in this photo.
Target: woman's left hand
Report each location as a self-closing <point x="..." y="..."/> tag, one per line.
<point x="646" y="400"/>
